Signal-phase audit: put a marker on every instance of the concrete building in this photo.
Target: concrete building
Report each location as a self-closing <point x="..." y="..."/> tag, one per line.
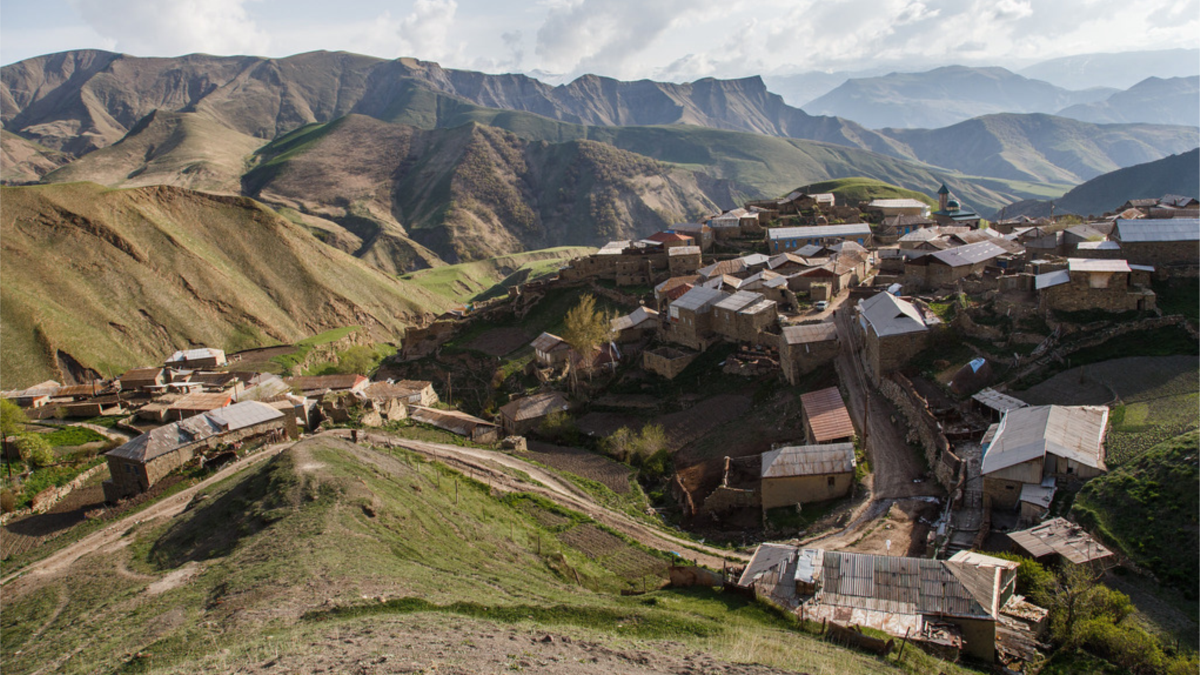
<point x="137" y="465"/>
<point x="1033" y="443"/>
<point x="894" y="331"/>
<point x="781" y="239"/>
<point x="1088" y="284"/>
<point x="803" y="349"/>
<point x="799" y="474"/>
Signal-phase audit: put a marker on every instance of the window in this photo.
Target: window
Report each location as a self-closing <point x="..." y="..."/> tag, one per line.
<point x="829" y="481"/>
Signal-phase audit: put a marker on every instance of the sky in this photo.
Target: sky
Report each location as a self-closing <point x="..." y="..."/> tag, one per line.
<point x="676" y="40"/>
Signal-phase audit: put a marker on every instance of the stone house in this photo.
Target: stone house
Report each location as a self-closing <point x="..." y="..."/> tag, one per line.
<point x="636" y="325"/>
<point x="203" y="357"/>
<point x="141" y="379"/>
<point x="1167" y="244"/>
<point x="139" y="464"/>
<point x="1086" y="284"/>
<point x="683" y="260"/>
<point x="799" y="474"/>
<point x="701" y="233"/>
<point x="1033" y="443"/>
<point x="667" y="361"/>
<point x="689" y="319"/>
<point x="901" y="596"/>
<point x="838" y="275"/>
<point x="741" y="317"/>
<point x="519" y="416"/>
<point x="894" y="227"/>
<point x="826" y="419"/>
<point x="197" y="403"/>
<point x="455" y="421"/>
<point x="672" y="289"/>
<point x="549" y="350"/>
<point x="668" y="240"/>
<point x="734" y="223"/>
<point x="316" y="385"/>
<point x="803" y="349"/>
<point x="943" y="268"/>
<point x="894" y="331"/>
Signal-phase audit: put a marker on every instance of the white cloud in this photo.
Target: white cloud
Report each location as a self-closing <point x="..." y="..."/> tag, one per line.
<point x="158" y="27"/>
<point x="426" y="31"/>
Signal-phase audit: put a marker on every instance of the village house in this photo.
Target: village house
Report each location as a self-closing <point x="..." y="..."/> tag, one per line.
<point x="683" y="260"/>
<point x="672" y="289"/>
<point x="141" y="379"/>
<point x="689" y="319"/>
<point x="197" y="403"/>
<point x="1033" y="443"/>
<point x="894" y="227"/>
<point x="1086" y="284"/>
<point x="667" y="361"/>
<point x="203" y="357"/>
<point x="799" y="474"/>
<point x="519" y="416"/>
<point x="943" y="268"/>
<point x="636" y="325"/>
<point x="1168" y="245"/>
<point x="668" y="240"/>
<point x="805" y="348"/>
<point x="139" y="464"/>
<point x="457" y="422"/>
<point x="899" y="595"/>
<point x="781" y="239"/>
<point x="826" y="419"/>
<point x="894" y="331"/>
<point x="734" y="223"/>
<point x="317" y="385"/>
<point x="743" y="316"/>
<point x="898" y="207"/>
<point x="701" y="233"/>
<point x="1058" y="538"/>
<point x="737" y="267"/>
<point x="836" y="275"/>
<point x="549" y="350"/>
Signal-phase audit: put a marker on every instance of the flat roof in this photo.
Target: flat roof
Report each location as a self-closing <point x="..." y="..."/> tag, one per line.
<point x="819" y="231"/>
<point x="1097" y="265"/>
<point x="997" y="401"/>
<point x="1063" y="537"/>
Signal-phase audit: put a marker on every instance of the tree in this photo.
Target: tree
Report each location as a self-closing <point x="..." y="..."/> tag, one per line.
<point x="12" y="422"/>
<point x="356" y="360"/>
<point x="586" y="328"/>
<point x="35" y="450"/>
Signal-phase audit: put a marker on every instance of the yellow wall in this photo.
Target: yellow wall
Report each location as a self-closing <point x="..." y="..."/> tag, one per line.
<point x="804" y="489"/>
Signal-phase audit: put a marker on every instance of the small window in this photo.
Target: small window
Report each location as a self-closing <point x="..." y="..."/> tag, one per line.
<point x="829" y="481"/>
<point x="1008" y="487"/>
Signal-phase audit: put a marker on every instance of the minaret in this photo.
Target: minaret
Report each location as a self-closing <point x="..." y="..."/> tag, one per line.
<point x="943" y="195"/>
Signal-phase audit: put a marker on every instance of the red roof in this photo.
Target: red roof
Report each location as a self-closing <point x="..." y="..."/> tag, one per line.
<point x="666" y="237"/>
<point x="827" y="415"/>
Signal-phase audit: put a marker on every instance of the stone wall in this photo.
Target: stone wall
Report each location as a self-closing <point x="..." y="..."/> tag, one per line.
<point x="46" y="499"/>
<point x="666" y="361"/>
<point x="1078" y="294"/>
<point x="893" y="351"/>
<point x="726" y="498"/>
<point x="924" y="429"/>
<point x="796" y="360"/>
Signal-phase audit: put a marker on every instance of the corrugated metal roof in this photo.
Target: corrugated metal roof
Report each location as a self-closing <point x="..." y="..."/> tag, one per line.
<point x="809" y="250"/>
<point x="1156" y="229"/>
<point x="808" y="460"/>
<point x="827" y="415"/>
<point x="759" y="307"/>
<point x="451" y="420"/>
<point x="197" y="354"/>
<point x="634" y="318"/>
<point x="1050" y="279"/>
<point x="889" y="315"/>
<point x="699" y="298"/>
<point x="1098" y="246"/>
<point x="203" y="401"/>
<point x="537" y="405"/>
<point x="1096" y="265"/>
<point x="1070" y="432"/>
<point x="244" y="414"/>
<point x="683" y="250"/>
<point x="816" y="332"/>
<point x="897" y="204"/>
<point x="1062" y="537"/>
<point x="738" y="301"/>
<point x="970" y="254"/>
<point x="819" y="231"/>
<point x="171" y="437"/>
<point x="331" y="382"/>
<point x="732" y="266"/>
<point x="548" y="342"/>
<point x="997" y="401"/>
<point x="1040" y="495"/>
<point x="900" y="585"/>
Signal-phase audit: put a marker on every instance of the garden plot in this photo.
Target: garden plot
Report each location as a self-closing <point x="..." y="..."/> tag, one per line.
<point x="589" y="465"/>
<point x="612" y="551"/>
<point x="1154" y="398"/>
<point x="500" y="341"/>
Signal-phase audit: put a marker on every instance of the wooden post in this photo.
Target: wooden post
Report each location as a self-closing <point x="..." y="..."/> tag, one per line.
<point x="902" y="644"/>
<point x="456" y="492"/>
<point x="539" y="538"/>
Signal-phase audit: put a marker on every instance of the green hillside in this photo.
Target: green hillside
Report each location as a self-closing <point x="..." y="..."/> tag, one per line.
<point x="1149" y="508"/>
<point x="855" y="190"/>
<point x="468" y="281"/>
<point x="111" y="279"/>
<point x="332" y="554"/>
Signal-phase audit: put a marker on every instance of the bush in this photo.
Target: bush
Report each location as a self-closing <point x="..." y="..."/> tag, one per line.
<point x="8" y="501"/>
<point x="35" y="450"/>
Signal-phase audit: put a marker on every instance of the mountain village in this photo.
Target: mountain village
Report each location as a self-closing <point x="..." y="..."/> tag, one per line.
<point x="902" y="330"/>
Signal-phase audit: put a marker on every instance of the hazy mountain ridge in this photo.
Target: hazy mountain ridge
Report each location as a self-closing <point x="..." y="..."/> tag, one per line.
<point x="1155" y="100"/>
<point x="945" y="96"/>
<point x="1121" y="70"/>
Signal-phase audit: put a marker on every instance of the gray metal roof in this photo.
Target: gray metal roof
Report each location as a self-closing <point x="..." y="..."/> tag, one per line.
<point x="1062" y="537"/>
<point x="738" y="301"/>
<point x="1070" y="432"/>
<point x="1098" y="246"/>
<point x="699" y="298"/>
<point x="820" y="231"/>
<point x="997" y="401"/>
<point x="1051" y="279"/>
<point x="1096" y="265"/>
<point x="547" y="342"/>
<point x="451" y="420"/>
<point x="897" y="204"/>
<point x="900" y="585"/>
<point x="970" y="254"/>
<point x="196" y="354"/>
<point x="808" y="460"/>
<point x="816" y="332"/>
<point x="634" y="318"/>
<point x="683" y="250"/>
<point x="889" y="315"/>
<point x="1153" y="229"/>
<point x="244" y="414"/>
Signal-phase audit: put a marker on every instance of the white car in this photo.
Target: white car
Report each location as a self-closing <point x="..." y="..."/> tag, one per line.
<point x="821" y="305"/>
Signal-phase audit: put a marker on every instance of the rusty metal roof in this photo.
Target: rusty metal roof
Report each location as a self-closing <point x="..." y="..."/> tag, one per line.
<point x="827" y="415"/>
<point x="903" y="585"/>
<point x="814" y="332"/>
<point x="808" y="460"/>
<point x="451" y="420"/>
<point x="1062" y="537"/>
<point x="203" y="401"/>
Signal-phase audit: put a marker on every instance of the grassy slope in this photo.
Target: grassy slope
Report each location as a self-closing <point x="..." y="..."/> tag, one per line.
<point x="118" y="278"/>
<point x="1150" y="510"/>
<point x="185" y="149"/>
<point x="466" y="281"/>
<point x="276" y="575"/>
<point x="22" y="160"/>
<point x="854" y="190"/>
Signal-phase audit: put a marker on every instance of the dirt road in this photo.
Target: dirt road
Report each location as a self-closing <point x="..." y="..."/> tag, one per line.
<point x="111" y="535"/>
<point x="893" y="463"/>
<point x="486" y="465"/>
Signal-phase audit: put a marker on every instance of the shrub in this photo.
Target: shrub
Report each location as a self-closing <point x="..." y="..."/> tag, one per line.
<point x="8" y="501"/>
<point x="35" y="450"/>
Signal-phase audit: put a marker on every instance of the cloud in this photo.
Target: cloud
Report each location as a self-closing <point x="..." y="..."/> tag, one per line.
<point x="426" y="31"/>
<point x="159" y="28"/>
